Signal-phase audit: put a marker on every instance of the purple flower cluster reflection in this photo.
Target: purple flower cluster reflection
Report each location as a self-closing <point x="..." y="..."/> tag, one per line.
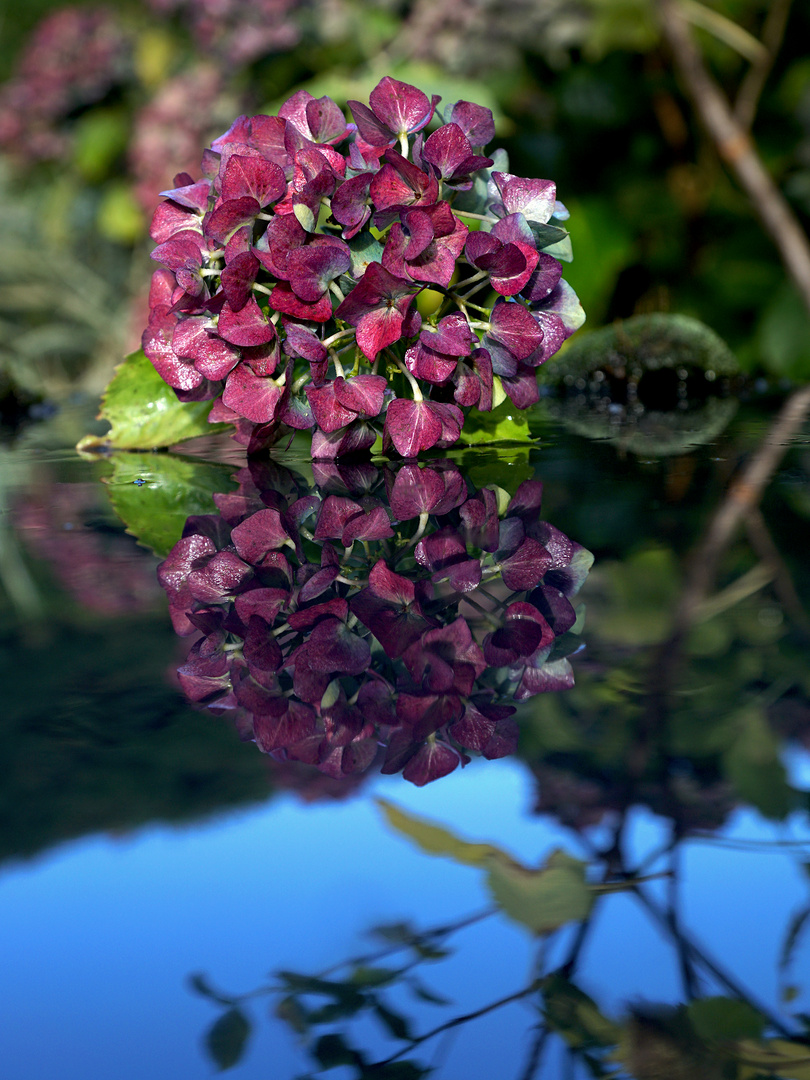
<point x="294" y="272"/>
<point x="387" y="615"/>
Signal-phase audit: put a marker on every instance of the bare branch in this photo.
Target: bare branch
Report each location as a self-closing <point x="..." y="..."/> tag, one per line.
<point x="736" y="149"/>
<point x="773" y="30"/>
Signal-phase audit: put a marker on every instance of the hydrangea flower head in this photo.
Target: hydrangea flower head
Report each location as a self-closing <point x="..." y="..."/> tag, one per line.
<point x="293" y="271"/>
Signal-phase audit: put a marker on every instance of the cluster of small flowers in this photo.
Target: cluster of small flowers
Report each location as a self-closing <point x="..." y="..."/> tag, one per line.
<point x="329" y="632"/>
<point x="75" y="57"/>
<point x="294" y="275"/>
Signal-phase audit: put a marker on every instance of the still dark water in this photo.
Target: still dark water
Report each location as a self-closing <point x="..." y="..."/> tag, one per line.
<point x="142" y="842"/>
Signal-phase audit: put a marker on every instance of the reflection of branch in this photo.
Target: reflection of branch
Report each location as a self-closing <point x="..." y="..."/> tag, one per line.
<point x="534" y="986"/>
<point x="761" y="541"/>
<point x="742" y="497"/>
<point x="773" y="31"/>
<point x="697" y="954"/>
<point x="736" y="148"/>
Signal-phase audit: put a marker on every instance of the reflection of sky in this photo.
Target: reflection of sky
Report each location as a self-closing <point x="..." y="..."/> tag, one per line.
<point x="99" y="937"/>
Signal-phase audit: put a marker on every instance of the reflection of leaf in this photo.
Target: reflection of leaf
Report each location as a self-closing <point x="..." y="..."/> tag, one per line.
<point x="144" y="413"/>
<point x="397" y="1025"/>
<point x="542" y="900"/>
<point x="504" y="424"/>
<point x="153" y="494"/>
<point x="434" y="840"/>
<point x="199" y="984"/>
<point x="777" y="1057"/>
<point x="332" y="1050"/>
<point x="725" y="1018"/>
<point x="227" y="1037"/>
<point x="576" y="1016"/>
<point x="752" y="764"/>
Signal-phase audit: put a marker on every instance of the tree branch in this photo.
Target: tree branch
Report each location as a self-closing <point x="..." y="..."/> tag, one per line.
<point x="736" y="148"/>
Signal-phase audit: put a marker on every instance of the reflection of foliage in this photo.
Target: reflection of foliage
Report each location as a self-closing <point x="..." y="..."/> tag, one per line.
<point x="98" y="740"/>
<point x="720" y="1031"/>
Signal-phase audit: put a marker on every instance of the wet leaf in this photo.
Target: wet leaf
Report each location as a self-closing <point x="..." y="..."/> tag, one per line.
<point x="227" y="1038"/>
<point x="144" y="413"/>
<point x="503" y="424"/>
<point x="153" y="494"/>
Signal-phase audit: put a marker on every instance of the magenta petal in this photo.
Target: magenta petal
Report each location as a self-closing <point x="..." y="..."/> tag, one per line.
<point x="515" y="328"/>
<point x="525" y="568"/>
<point x="452" y="336"/>
<point x="248" y="326"/>
<point x="156" y="341"/>
<point x="254" y="177"/>
<point x="329" y="414"/>
<point x="303" y="342"/>
<point x="475" y="121"/>
<point x="237" y="279"/>
<point x="331" y="646"/>
<point x="400" y="106"/>
<point x="258" y="534"/>
<point x="432" y="761"/>
<point x="371" y="523"/>
<point x="212" y="357"/>
<point x="373" y="130"/>
<point x="412" y="426"/>
<point x="544" y="279"/>
<point x="313" y="266"/>
<point x="253" y="396"/>
<point x="534" y="199"/>
<point x="222" y="223"/>
<point x="362" y="394"/>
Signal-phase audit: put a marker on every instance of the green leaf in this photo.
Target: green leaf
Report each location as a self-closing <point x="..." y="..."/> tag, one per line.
<point x="504" y="424"/>
<point x="144" y="413"/>
<point x="153" y="494"/>
<point x="542" y="900"/>
<point x="435" y="840"/>
<point x="227" y="1038"/>
<point x="725" y="1018"/>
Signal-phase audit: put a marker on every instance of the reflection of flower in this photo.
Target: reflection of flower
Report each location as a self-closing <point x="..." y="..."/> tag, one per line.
<point x="100" y="569"/>
<point x="331" y="631"/>
<point x="293" y="271"/>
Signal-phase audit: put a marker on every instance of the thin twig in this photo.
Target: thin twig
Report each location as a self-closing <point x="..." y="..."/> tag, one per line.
<point x="518" y="995"/>
<point x="736" y="148"/>
<point x="773" y="30"/>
